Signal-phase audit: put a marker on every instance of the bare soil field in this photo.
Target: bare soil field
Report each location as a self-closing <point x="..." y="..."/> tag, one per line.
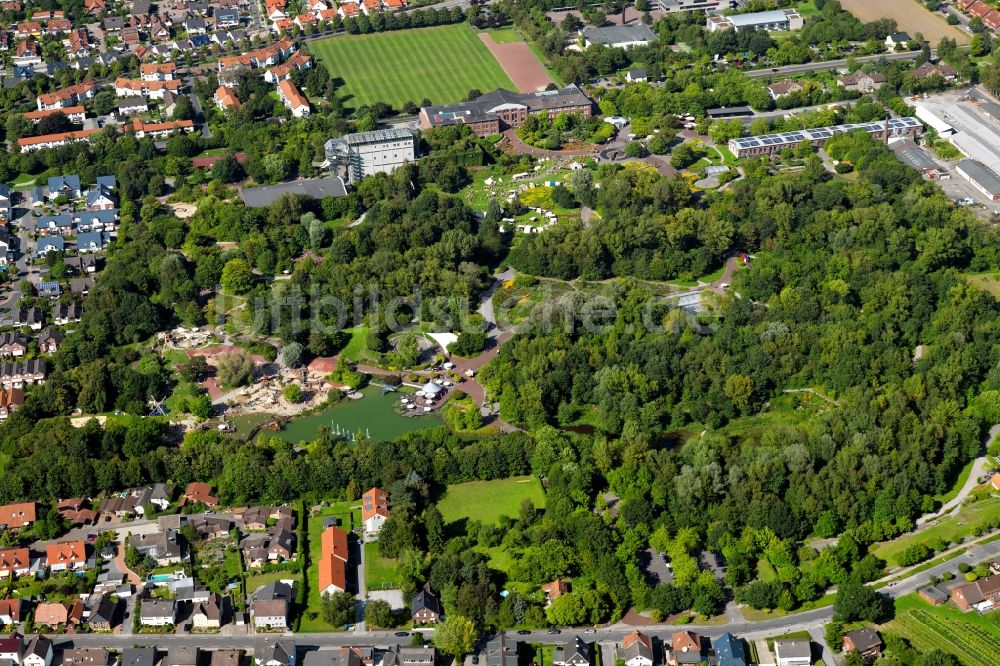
<point x="519" y="63"/>
<point x="911" y="16"/>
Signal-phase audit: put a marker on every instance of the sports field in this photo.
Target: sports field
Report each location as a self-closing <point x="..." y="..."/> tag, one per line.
<point x="910" y="15"/>
<point x="442" y="64"/>
<point x="486" y="501"/>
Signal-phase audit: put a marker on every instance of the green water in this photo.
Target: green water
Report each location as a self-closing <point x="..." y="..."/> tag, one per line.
<point x="374" y="413"/>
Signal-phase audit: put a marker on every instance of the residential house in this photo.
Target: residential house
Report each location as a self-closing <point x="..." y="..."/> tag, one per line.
<point x="49" y="244"/>
<point x="293" y="100"/>
<point x="64" y="186"/>
<point x="270" y="606"/>
<point x="500" y="651"/>
<point x="91" y="241"/>
<point x="274" y="652"/>
<point x="981" y="595"/>
<point x="93" y="7"/>
<point x="165" y="547"/>
<point x="208" y="527"/>
<point x="425" y="607"/>
<point x="63" y="314"/>
<point x="396" y="655"/>
<point x="226" y="99"/>
<point x="797" y="652"/>
<point x="48" y="289"/>
<point x="897" y="40"/>
<point x="6" y="202"/>
<point x="81" y="286"/>
<point x="158" y="612"/>
<point x="17" y="515"/>
<point x="181" y="655"/>
<point x="199" y="493"/>
<point x="69" y="96"/>
<point x="865" y="641"/>
<point x="11" y="648"/>
<point x="863" y="82"/>
<point x="38" y="652"/>
<point x="781" y="88"/>
<point x="30" y="317"/>
<point x="225" y="658"/>
<point x="140" y="656"/>
<point x="49" y="341"/>
<point x="100" y="197"/>
<point x="76" y="510"/>
<point x="32" y="143"/>
<point x="208" y="614"/>
<point x="10" y="401"/>
<point x="15" y="374"/>
<point x="226" y="19"/>
<point x="574" y="652"/>
<point x="944" y="70"/>
<point x="261" y="549"/>
<point x="27" y="53"/>
<point x="155" y="89"/>
<point x="374" y="510"/>
<point x="75" y="114"/>
<point x="636" y="649"/>
<point x="686" y="647"/>
<point x="158" y="71"/>
<point x="51" y="615"/>
<point x="66" y="555"/>
<point x="86" y="657"/>
<point x="12" y="343"/>
<point x="12" y="611"/>
<point x="61" y="224"/>
<point x="15" y="562"/>
<point x="729" y="650"/>
<point x="160" y="130"/>
<point x="299" y="61"/>
<point x="102" y="614"/>
<point x="332" y="573"/>
<point x="554" y="590"/>
<point x="636" y="75"/>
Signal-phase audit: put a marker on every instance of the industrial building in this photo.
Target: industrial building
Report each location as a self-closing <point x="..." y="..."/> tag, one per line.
<point x="769" y="144"/>
<point x="980" y="177"/>
<point x="775" y="19"/>
<point x="354" y="156"/>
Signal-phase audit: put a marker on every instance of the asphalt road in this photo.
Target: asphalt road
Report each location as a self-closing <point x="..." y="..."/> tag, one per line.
<point x="830" y="64"/>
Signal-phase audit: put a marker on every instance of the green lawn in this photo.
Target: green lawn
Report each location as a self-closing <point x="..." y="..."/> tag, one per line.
<point x="948" y="529"/>
<point x="987" y="282"/>
<point x="355" y="347"/>
<point x="486" y="501"/>
<point x="973" y="638"/>
<point x="504" y="35"/>
<point x="380" y="571"/>
<point x="441" y="64"/>
<point x="963" y="476"/>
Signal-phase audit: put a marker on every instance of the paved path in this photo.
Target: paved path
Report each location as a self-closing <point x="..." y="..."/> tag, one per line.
<point x="521" y="148"/>
<point x="979" y="467"/>
<point x="818" y="636"/>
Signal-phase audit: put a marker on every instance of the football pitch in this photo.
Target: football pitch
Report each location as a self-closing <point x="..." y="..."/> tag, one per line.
<point x="441" y="63"/>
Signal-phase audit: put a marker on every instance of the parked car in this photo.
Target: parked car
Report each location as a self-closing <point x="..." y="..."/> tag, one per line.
<point x="554" y="631"/>
<point x="402" y="634"/>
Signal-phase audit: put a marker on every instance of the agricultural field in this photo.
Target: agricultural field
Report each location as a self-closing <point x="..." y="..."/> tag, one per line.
<point x="912" y="18"/>
<point x="486" y="501"/>
<point x="442" y="64"/>
<point x="947" y="529"/>
<point x="973" y="638"/>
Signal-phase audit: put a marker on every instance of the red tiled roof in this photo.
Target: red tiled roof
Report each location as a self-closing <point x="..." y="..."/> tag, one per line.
<point x="333" y="561"/>
<point x="16" y="515"/>
<point x="66" y="552"/>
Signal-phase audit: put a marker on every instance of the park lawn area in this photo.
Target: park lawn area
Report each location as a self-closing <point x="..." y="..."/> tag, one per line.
<point x="987" y="282"/>
<point x="442" y="63"/>
<point x="486" y="501"/>
<point x="973" y="638"/>
<point x="354" y="350"/>
<point x="380" y="572"/>
<point x="948" y="529"/>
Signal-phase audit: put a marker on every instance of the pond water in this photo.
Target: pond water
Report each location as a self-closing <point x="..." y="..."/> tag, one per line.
<point x="374" y="414"/>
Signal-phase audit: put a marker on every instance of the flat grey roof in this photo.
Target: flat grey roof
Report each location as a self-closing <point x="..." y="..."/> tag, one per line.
<point x="793" y="648"/>
<point x="317" y="188"/>
<point x="821" y="133"/>
<point x="909" y="153"/>
<point x="757" y="18"/>
<point x="981" y="174"/>
<point x="618" y="34"/>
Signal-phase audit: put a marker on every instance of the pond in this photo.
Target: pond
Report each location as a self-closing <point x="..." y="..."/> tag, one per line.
<point x="374" y="415"/>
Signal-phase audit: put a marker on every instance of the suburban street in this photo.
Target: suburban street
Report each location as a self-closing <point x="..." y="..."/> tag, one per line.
<point x="831" y="64"/>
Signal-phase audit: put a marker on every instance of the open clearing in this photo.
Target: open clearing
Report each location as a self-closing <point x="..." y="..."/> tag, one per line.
<point x="486" y="501"/>
<point x="442" y="64"/>
<point x="978" y="514"/>
<point x="987" y="282"/>
<point x="519" y="62"/>
<point x="911" y="16"/>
